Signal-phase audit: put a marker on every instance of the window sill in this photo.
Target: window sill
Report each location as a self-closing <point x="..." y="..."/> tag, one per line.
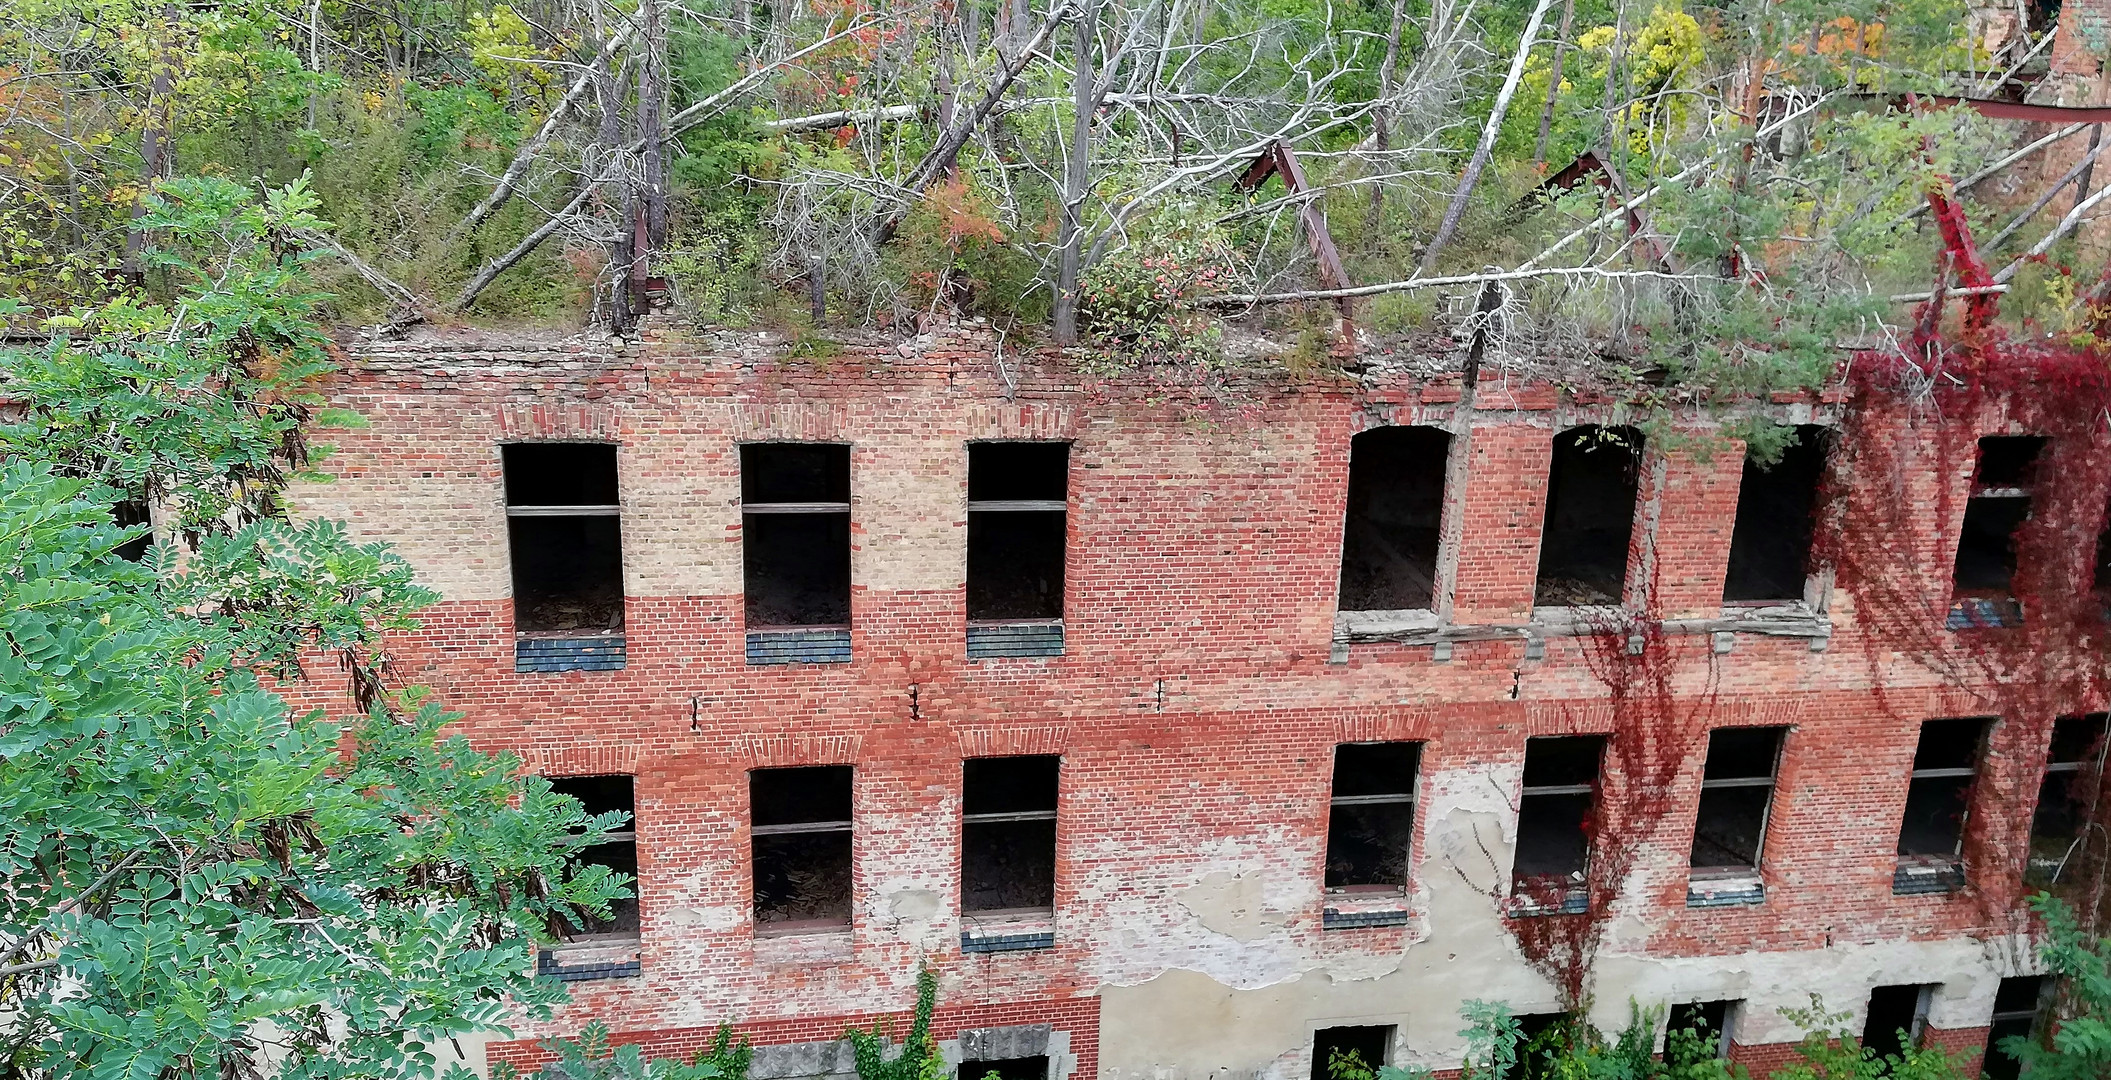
<point x="569" y="650"/>
<point x="1354" y="908"/>
<point x="1731" y="888"/>
<point x="1427" y="628"/>
<point x="1983" y="613"/>
<point x="995" y="639"/>
<point x="812" y="645"/>
<point x="1008" y="931"/>
<point x="608" y="956"/>
<point x="1534" y="897"/>
<point x="1923" y="876"/>
<point x="792" y="928"/>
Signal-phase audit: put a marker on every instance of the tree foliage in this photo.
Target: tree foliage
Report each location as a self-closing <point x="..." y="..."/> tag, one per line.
<point x="200" y="882"/>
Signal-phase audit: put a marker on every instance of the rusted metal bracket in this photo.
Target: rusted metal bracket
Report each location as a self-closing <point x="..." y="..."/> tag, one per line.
<point x="1279" y="160"/>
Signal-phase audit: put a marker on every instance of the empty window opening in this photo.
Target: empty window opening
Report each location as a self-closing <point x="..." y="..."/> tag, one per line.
<point x="1343" y="1053"/>
<point x="1553" y="817"/>
<point x="130" y="514"/>
<point x="2055" y="827"/>
<point x="1939" y="794"/>
<point x="1704" y="1028"/>
<point x="1897" y="1016"/>
<point x="795" y="521"/>
<point x="1018" y="496"/>
<point x="1396" y="505"/>
<point x="1008" y="833"/>
<point x="1026" y="1068"/>
<point x="1371" y="817"/>
<point x="1997" y="508"/>
<point x="801" y="836"/>
<point x="1776" y="512"/>
<point x="618" y="849"/>
<point x="1590" y="516"/>
<point x="1737" y="790"/>
<point x="563" y="524"/>
<point x="2017" y="1004"/>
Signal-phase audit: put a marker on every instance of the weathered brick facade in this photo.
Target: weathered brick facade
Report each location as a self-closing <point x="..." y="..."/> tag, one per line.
<point x="1196" y="705"/>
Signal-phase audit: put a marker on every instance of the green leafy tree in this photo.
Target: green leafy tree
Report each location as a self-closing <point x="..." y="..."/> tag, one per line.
<point x="199" y="882"/>
<point x="2080" y="1046"/>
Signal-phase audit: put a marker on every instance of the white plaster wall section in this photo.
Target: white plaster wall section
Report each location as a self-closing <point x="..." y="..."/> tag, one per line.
<point x="1152" y="922"/>
<point x="1233" y="905"/>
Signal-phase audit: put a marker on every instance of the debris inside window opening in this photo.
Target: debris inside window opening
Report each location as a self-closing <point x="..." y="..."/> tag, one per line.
<point x="1008" y="833"/>
<point x="1590" y="516"/>
<point x="1371" y="815"/>
<point x="1370" y="1045"/>
<point x="1737" y="789"/>
<point x="1395" y="508"/>
<point x="2055" y="826"/>
<point x="801" y="830"/>
<point x="618" y="851"/>
<point x="2000" y="502"/>
<point x="1897" y="1015"/>
<point x="565" y="534"/>
<point x="1776" y="504"/>
<point x="795" y="524"/>
<point x="1554" y="814"/>
<point x="2017" y="1002"/>
<point x="1018" y="496"/>
<point x="1939" y="794"/>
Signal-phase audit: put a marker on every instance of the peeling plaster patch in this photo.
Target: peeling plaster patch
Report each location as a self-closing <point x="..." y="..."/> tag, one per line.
<point x="915" y="905"/>
<point x="1232" y="905"/>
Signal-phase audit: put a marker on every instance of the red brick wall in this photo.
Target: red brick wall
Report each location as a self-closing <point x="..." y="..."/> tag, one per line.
<point x="1195" y="706"/>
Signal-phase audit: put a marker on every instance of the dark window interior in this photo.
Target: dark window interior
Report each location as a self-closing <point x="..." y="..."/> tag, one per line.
<point x="1590" y="516"/>
<point x="1561" y="780"/>
<point x="1332" y="1049"/>
<point x="2015" y="1015"/>
<point x="1940" y="791"/>
<point x="1894" y="1019"/>
<point x="1026" y="1068"/>
<point x="1776" y="504"/>
<point x="2102" y="579"/>
<point x="1000" y="471"/>
<point x="794" y="473"/>
<point x="1396" y="504"/>
<point x="1017" y="494"/>
<point x="795" y="501"/>
<point x="1008" y="833"/>
<point x="801" y="829"/>
<point x="1737" y="786"/>
<point x="607" y="795"/>
<point x="1371" y="819"/>
<point x="127" y="514"/>
<point x="2000" y="501"/>
<point x="2054" y="826"/>
<point x="1707" y="1021"/>
<point x="565" y="535"/>
<point x="560" y="474"/>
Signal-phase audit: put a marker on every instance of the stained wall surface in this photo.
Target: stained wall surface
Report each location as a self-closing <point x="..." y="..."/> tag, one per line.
<point x="1201" y="690"/>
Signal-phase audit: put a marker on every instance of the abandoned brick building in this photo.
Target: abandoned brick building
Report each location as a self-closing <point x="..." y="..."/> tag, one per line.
<point x="1179" y="749"/>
